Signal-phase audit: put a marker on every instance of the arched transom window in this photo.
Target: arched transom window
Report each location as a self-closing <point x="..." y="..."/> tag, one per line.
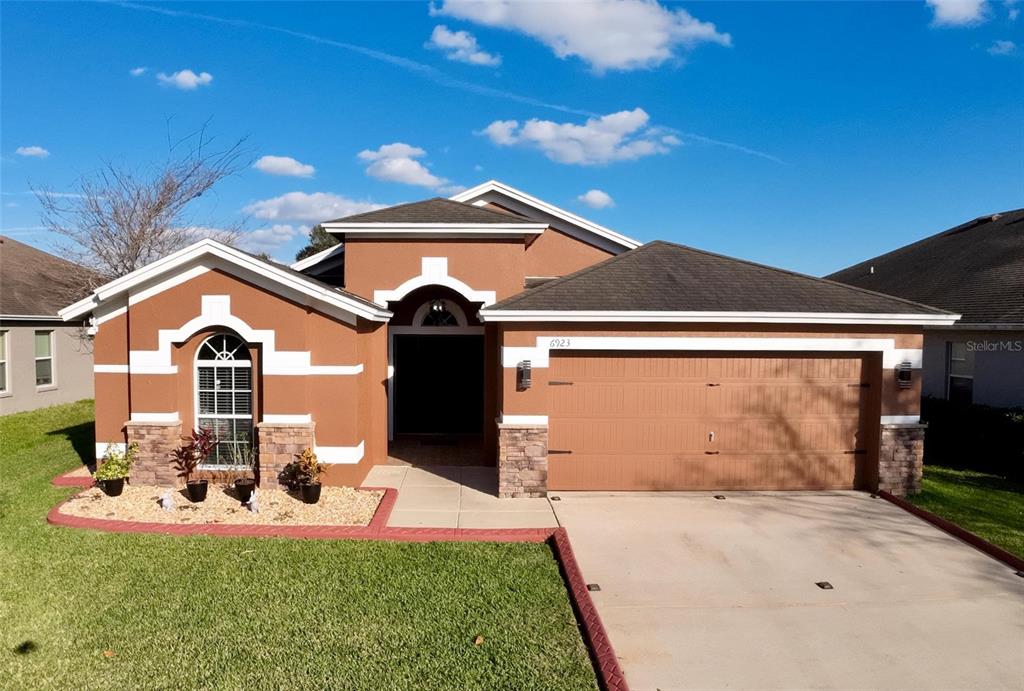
<point x="224" y="396"/>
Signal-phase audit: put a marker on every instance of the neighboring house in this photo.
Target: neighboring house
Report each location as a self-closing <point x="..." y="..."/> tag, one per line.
<point x="572" y="356"/>
<point x="43" y="360"/>
<point x="977" y="270"/>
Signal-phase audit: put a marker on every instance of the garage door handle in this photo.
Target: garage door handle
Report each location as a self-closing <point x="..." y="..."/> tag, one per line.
<point x="552" y="452"/>
<point x="712" y="453"/>
<point x="556" y="382"/>
<point x="714" y="384"/>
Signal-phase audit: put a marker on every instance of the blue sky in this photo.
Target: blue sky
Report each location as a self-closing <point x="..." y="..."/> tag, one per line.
<point x="804" y="135"/>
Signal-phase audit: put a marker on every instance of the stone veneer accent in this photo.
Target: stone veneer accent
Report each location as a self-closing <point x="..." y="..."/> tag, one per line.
<point x="279" y="444"/>
<point x="157" y="441"/>
<point x="901" y="459"/>
<point x="522" y="461"/>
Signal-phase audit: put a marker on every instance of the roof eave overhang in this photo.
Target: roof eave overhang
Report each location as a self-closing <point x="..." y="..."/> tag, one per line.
<point x="30" y="317"/>
<point x="987" y="326"/>
<point x="435" y="230"/>
<point x="500" y="315"/>
<point x="607" y="234"/>
<point x="314" y="259"/>
<point x="232" y="256"/>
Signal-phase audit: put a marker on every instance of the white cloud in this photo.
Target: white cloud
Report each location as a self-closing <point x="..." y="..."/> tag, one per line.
<point x="311" y="208"/>
<point x="283" y="165"/>
<point x="597" y="199"/>
<point x="1002" y="48"/>
<point x="32" y="151"/>
<point x="186" y="80"/>
<point x="622" y="136"/>
<point x="137" y="71"/>
<point x="397" y="163"/>
<point x="272" y="238"/>
<point x="461" y="46"/>
<point x="607" y="34"/>
<point x="958" y="12"/>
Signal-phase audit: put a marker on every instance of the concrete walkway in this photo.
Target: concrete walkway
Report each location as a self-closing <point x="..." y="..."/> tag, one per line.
<point x="456" y="497"/>
<point x="721" y="594"/>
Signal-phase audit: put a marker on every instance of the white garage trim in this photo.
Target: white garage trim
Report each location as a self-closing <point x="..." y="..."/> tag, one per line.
<point x="539" y="420"/>
<point x="339" y="454"/>
<point x="539" y="355"/>
<point x="901" y="420"/>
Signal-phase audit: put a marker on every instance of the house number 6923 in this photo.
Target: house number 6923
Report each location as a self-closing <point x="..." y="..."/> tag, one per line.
<point x="559" y="343"/>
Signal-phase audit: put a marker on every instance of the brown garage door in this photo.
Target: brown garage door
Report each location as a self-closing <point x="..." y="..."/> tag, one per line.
<point x="679" y="421"/>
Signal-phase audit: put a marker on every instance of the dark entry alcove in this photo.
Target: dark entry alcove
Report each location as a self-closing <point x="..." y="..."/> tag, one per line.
<point x="438" y="384"/>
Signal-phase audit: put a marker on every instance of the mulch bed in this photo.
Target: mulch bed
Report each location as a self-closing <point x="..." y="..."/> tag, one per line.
<point x="141" y="503"/>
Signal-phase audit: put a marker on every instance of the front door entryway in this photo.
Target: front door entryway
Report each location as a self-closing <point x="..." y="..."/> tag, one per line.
<point x="438" y="384"/>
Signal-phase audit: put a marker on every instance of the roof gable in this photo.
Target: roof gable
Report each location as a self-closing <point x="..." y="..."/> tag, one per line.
<point x="161" y="274"/>
<point x="662" y="281"/>
<point x="976" y="269"/>
<point x="435" y="211"/>
<point x="536" y="209"/>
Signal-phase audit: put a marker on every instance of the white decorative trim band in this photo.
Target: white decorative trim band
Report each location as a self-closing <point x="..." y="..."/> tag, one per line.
<point x="539" y="356"/>
<point x="288" y="419"/>
<point x="645" y="316"/>
<point x="110" y="369"/>
<point x="216" y="312"/>
<point x="434" y="271"/>
<point x="102" y="446"/>
<point x="339" y="454"/>
<point x="901" y="419"/>
<point x="156" y="417"/>
<point x="896" y="356"/>
<point x="523" y="420"/>
<point x="136" y="369"/>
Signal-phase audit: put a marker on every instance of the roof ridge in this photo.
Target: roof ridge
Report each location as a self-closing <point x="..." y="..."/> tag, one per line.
<point x="790" y="272"/>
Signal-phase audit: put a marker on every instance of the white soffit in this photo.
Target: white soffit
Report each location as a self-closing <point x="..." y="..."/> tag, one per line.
<point x="538" y="209"/>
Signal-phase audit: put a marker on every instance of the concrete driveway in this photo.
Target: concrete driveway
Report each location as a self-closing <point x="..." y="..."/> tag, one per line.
<point x="720" y="594"/>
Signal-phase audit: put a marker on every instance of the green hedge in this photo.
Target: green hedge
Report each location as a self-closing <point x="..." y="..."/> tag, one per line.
<point x="974" y="437"/>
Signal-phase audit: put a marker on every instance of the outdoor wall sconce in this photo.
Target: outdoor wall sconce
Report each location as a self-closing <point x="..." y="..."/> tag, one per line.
<point x="524" y="375"/>
<point x="904" y="377"/>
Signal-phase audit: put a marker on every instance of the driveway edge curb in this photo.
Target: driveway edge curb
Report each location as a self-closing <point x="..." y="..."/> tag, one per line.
<point x="975" y="541"/>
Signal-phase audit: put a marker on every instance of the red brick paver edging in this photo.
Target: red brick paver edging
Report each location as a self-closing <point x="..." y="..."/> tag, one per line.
<point x="979" y="543"/>
<point x="595" y="637"/>
<point x="72" y="478"/>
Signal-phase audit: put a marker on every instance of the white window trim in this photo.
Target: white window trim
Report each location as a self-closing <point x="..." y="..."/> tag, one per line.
<point x="5" y="338"/>
<point x="52" y="358"/>
<point x="233" y="364"/>
<point x="949" y="370"/>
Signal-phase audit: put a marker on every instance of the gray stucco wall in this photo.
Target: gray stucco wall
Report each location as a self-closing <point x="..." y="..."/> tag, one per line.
<point x="998" y="365"/>
<point x="73" y="379"/>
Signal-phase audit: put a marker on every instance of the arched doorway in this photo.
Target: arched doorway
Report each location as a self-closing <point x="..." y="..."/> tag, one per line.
<point x="436" y="352"/>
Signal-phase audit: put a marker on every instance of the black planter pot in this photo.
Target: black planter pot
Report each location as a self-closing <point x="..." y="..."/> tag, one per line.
<point x="196" y="490"/>
<point x="310" y="492"/>
<point x="112" y="488"/>
<point x="244" y="488"/>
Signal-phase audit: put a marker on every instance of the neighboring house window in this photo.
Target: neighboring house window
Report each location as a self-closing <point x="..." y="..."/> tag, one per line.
<point x="960" y="373"/>
<point x="224" y="395"/>
<point x="3" y="362"/>
<point x="44" y="358"/>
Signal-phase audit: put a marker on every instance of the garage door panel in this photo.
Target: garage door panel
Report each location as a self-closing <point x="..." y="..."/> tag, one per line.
<point x="636" y="421"/>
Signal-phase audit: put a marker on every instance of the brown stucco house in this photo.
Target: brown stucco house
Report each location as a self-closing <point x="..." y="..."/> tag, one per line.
<point x="565" y="354"/>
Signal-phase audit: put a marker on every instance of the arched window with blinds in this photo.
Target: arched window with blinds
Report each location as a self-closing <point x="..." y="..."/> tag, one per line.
<point x="224" y="396"/>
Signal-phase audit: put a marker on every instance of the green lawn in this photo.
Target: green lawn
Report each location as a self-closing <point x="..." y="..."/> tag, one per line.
<point x="987" y="505"/>
<point x="82" y="609"/>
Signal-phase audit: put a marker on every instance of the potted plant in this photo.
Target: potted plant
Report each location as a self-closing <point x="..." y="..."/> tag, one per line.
<point x="243" y="460"/>
<point x="114" y="469"/>
<point x="190" y="454"/>
<point x="308" y="476"/>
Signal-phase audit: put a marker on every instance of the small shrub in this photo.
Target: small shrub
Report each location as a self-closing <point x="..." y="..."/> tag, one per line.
<point x="304" y="469"/>
<point x="193" y="452"/>
<point x="115" y="464"/>
<point x="974" y="437"/>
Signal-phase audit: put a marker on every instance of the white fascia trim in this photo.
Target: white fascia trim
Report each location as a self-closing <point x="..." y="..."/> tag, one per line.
<point x="208" y="247"/>
<point x="434" y="271"/>
<point x="715" y="317"/>
<point x="305" y="418"/>
<point x="540" y="420"/>
<point x="339" y="454"/>
<point x="540" y="355"/>
<point x="541" y="205"/>
<point x="30" y="317"/>
<point x="445" y="230"/>
<point x="102" y="447"/>
<point x="314" y="259"/>
<point x="901" y="420"/>
<point x="155" y="417"/>
<point x="216" y="312"/>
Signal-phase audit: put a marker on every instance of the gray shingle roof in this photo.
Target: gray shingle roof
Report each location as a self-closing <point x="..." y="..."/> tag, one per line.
<point x="437" y="210"/>
<point x="975" y="269"/>
<point x="663" y="276"/>
<point x="35" y="283"/>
